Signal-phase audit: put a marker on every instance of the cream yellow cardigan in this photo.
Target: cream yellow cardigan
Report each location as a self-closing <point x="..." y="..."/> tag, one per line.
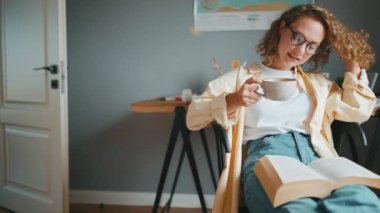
<point x="354" y="102"/>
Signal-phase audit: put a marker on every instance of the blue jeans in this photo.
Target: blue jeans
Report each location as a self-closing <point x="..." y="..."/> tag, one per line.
<point x="351" y="198"/>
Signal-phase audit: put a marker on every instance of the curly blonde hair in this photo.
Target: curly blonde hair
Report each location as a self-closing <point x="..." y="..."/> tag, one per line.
<point x="349" y="45"/>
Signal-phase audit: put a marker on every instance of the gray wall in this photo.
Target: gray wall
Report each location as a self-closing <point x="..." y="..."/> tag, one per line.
<point x="124" y="51"/>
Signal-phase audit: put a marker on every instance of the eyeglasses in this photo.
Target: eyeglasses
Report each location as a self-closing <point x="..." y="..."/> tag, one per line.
<point x="298" y="39"/>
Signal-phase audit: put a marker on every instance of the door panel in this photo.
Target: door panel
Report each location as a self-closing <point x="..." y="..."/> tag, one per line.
<point x="27" y="170"/>
<point x="33" y="116"/>
<point x="25" y="36"/>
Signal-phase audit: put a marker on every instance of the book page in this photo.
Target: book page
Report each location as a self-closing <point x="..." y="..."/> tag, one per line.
<point x="291" y="170"/>
<point x="335" y="168"/>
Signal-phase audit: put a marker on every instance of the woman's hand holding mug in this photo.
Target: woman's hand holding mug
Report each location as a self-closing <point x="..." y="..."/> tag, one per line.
<point x="245" y="96"/>
<point x="275" y="89"/>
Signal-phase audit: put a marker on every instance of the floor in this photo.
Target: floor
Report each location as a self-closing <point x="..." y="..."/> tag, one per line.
<point x="92" y="208"/>
<point x="86" y="208"/>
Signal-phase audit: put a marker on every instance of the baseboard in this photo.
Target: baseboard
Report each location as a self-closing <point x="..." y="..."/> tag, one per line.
<point x="137" y="198"/>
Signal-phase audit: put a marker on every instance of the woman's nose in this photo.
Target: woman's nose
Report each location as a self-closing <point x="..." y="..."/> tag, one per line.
<point x="300" y="49"/>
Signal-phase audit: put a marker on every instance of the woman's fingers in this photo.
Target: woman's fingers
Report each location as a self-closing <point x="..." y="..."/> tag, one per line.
<point x="252" y="98"/>
<point x="247" y="93"/>
<point x="251" y="84"/>
<point x="245" y="96"/>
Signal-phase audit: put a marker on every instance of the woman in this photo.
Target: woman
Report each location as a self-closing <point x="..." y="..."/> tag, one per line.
<point x="300" y="126"/>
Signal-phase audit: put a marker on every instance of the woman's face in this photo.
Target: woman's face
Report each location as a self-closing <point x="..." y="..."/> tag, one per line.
<point x="298" y="42"/>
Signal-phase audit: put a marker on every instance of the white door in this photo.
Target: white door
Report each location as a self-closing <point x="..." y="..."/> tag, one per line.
<point x="33" y="107"/>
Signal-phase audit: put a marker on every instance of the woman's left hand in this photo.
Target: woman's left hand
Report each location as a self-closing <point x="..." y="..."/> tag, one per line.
<point x="353" y="67"/>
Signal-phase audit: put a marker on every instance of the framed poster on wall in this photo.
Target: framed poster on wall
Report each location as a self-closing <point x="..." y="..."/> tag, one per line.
<point x="229" y="15"/>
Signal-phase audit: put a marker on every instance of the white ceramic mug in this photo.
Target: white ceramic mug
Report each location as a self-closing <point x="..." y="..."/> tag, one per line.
<point x="278" y="89"/>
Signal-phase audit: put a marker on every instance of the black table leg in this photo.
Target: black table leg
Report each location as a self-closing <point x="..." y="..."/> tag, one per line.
<point x="209" y="162"/>
<point x="179" y="125"/>
<point x="169" y="153"/>
<point x="167" y="205"/>
<point x="193" y="165"/>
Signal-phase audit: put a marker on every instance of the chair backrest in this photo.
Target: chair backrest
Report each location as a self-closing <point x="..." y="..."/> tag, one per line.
<point x="355" y="135"/>
<point x="222" y="144"/>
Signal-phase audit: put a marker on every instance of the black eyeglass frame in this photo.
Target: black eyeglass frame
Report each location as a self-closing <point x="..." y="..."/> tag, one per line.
<point x="308" y="44"/>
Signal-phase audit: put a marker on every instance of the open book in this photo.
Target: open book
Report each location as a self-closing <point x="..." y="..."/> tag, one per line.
<point x="285" y="179"/>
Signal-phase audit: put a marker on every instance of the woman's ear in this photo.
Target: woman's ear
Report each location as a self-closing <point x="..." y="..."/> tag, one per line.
<point x="282" y="26"/>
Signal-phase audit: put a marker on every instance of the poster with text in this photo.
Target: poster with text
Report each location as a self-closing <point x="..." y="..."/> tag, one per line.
<point x="228" y="15"/>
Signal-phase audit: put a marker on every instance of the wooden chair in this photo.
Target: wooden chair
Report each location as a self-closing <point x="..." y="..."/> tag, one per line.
<point x="352" y="130"/>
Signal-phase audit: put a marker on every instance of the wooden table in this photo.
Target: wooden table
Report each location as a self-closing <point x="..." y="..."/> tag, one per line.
<point x="157" y="105"/>
<point x="179" y="126"/>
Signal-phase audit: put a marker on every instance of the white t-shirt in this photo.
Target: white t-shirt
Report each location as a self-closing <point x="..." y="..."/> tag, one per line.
<point x="268" y="117"/>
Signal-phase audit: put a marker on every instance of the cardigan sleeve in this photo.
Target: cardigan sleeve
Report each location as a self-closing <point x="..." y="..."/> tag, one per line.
<point x="211" y="105"/>
<point x="353" y="103"/>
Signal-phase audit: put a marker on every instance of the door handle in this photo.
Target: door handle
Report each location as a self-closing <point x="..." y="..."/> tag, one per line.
<point x="53" y="69"/>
